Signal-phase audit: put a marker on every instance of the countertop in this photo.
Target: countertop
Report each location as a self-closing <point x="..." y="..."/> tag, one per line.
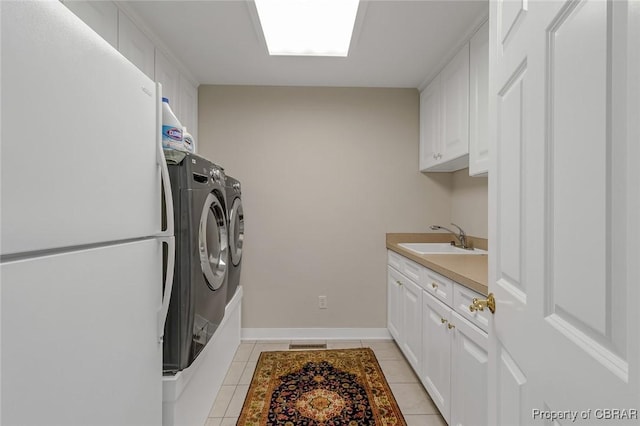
<point x="470" y="270"/>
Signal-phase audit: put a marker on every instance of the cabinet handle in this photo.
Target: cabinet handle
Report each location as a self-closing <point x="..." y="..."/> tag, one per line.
<point x="398" y="282"/>
<point x="450" y="326"/>
<point x="480" y="304"/>
<point x="434" y="285"/>
<point x="442" y="320"/>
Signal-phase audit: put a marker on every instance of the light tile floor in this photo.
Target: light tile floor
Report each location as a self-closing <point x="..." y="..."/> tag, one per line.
<point x="415" y="404"/>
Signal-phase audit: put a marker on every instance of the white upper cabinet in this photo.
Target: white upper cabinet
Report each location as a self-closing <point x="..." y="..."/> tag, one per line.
<point x="181" y="92"/>
<point x="169" y="76"/>
<point x="101" y="16"/>
<point x="188" y="106"/>
<point x="479" y="102"/>
<point x="135" y="46"/>
<point x="454" y="116"/>
<point x="444" y="118"/>
<point x="430" y="124"/>
<point x="112" y="24"/>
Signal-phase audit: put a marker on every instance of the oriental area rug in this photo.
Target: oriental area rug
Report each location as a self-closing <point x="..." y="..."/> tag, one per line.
<point x="343" y="387"/>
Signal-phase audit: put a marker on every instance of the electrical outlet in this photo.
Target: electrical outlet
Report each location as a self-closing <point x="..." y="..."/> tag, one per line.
<point x="322" y="302"/>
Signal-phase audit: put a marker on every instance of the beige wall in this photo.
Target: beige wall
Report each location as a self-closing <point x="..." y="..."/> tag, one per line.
<point x="326" y="172"/>
<point x="469" y="203"/>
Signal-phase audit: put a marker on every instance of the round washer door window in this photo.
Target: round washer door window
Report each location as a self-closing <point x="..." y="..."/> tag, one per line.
<point x="213" y="242"/>
<point x="236" y="229"/>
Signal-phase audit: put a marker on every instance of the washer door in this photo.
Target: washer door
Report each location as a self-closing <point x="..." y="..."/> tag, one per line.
<point x="213" y="242"/>
<point x="236" y="228"/>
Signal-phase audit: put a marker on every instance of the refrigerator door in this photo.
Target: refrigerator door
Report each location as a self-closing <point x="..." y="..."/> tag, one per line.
<point x="79" y="135"/>
<point x="79" y="337"/>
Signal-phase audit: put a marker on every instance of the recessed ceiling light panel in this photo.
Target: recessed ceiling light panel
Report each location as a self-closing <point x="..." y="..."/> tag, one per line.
<point x="307" y="27"/>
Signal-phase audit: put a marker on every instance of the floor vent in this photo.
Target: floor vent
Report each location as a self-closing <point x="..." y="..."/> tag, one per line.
<point x="308" y="346"/>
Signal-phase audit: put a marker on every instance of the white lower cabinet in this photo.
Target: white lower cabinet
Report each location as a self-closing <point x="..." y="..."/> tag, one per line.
<point x="469" y="355"/>
<point x="454" y="363"/>
<point x="411" y="315"/>
<point x="444" y="342"/>
<point x="394" y="304"/>
<point x="404" y="316"/>
<point x="436" y="353"/>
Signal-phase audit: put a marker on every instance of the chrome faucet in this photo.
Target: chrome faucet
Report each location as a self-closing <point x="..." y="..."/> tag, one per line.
<point x="461" y="236"/>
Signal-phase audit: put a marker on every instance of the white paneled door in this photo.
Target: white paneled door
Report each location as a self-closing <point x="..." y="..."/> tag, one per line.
<point x="565" y="203"/>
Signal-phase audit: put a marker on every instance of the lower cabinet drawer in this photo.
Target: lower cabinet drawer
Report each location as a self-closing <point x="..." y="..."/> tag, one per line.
<point x="407" y="267"/>
<point x="462" y="299"/>
<point x="394" y="259"/>
<point x="437" y="285"/>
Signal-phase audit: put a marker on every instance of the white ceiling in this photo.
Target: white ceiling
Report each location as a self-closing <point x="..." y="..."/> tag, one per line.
<point x="395" y="43"/>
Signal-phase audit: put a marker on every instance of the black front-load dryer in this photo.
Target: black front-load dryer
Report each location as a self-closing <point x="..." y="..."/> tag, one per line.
<point x="198" y="298"/>
<point x="235" y="215"/>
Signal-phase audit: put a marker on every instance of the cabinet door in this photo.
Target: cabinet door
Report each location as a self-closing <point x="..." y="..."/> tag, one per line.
<point x="436" y="353"/>
<point x="188" y="108"/>
<point x="101" y="16"/>
<point x="469" y="401"/>
<point x="454" y="107"/>
<point x="168" y="75"/>
<point x="394" y="304"/>
<point x="430" y="124"/>
<point x="135" y="46"/>
<point x="412" y="323"/>
<point x="479" y="102"/>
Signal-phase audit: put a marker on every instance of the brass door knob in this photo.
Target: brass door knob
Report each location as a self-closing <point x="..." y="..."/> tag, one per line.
<point x="434" y="285"/>
<point x="480" y="304"/>
<point x="399" y="283"/>
<point x="442" y="320"/>
<point x="450" y="326"/>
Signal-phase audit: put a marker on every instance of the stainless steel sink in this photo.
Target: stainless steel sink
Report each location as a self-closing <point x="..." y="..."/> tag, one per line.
<point x="439" y="248"/>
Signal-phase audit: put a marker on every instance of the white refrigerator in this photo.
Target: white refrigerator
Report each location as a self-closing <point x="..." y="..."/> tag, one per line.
<point x="82" y="307"/>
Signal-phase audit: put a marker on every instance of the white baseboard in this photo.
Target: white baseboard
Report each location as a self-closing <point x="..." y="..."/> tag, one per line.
<point x="314" y="333"/>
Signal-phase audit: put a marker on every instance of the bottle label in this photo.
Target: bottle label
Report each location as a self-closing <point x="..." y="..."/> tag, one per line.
<point x="172" y="137"/>
<point x="171" y="132"/>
